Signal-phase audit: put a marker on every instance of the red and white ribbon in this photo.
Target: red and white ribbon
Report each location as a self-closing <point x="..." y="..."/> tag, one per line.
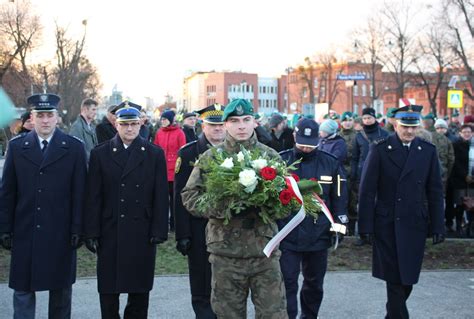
<point x="299" y="217"/>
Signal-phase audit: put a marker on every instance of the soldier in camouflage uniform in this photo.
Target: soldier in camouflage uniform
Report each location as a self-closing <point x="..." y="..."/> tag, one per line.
<point x="348" y="134"/>
<point x="236" y="249"/>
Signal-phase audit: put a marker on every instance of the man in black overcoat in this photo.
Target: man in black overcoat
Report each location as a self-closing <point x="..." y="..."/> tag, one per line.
<point x="105" y="130"/>
<point x="41" y="198"/>
<point x="126" y="214"/>
<point x="190" y="230"/>
<point x="401" y="196"/>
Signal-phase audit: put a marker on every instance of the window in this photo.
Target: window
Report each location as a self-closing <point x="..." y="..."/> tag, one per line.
<point x="355" y="90"/>
<point x="371" y="90"/>
<point x="356" y="108"/>
<point x="259" y="103"/>
<point x="264" y="89"/>
<point x="364" y="90"/>
<point x="315" y="83"/>
<point x="305" y="92"/>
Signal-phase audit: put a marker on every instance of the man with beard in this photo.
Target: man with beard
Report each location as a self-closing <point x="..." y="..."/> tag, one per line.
<point x="401" y="198"/>
<point x="370" y="133"/>
<point x="190" y="230"/>
<point x="126" y="214"/>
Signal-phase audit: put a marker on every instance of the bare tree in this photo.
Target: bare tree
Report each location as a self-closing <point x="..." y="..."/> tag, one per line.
<point x="399" y="51"/>
<point x="75" y="78"/>
<point x="435" y="56"/>
<point x="368" y="48"/>
<point x="329" y="88"/>
<point x="459" y="18"/>
<point x="20" y="30"/>
<point x="306" y="74"/>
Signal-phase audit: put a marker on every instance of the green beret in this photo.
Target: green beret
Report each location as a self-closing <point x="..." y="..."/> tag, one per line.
<point x="326" y="116"/>
<point x="238" y="107"/>
<point x="257" y="116"/>
<point x="335" y="116"/>
<point x="455" y="113"/>
<point x="429" y="116"/>
<point x="346" y="115"/>
<point x="390" y="112"/>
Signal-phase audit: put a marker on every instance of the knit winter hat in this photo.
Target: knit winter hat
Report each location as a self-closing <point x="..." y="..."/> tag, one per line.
<point x="329" y="126"/>
<point x="368" y="111"/>
<point x="441" y="123"/>
<point x="275" y="120"/>
<point x="169" y="115"/>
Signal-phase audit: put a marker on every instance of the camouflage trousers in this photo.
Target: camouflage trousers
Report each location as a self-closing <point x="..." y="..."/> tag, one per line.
<point x="233" y="278"/>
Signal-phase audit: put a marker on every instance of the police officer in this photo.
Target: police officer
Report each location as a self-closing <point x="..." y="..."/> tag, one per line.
<point x="236" y="248"/>
<point x="41" y="210"/>
<point x="190" y="230"/>
<point x="126" y="214"/>
<point x="306" y="247"/>
<point x="400" y="193"/>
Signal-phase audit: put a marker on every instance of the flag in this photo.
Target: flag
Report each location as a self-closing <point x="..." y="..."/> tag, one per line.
<point x="7" y="109"/>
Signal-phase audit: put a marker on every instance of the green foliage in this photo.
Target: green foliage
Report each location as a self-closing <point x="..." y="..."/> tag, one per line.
<point x="235" y="182"/>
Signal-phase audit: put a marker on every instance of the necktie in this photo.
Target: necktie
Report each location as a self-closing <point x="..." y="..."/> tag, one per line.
<point x="45" y="144"/>
<point x="407" y="148"/>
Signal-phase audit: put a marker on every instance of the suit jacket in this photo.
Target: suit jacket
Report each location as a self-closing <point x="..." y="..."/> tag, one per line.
<point x="400" y="195"/>
<point x="126" y="205"/>
<point x="41" y="198"/>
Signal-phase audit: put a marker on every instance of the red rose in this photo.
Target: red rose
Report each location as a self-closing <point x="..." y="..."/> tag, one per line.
<point x="268" y="173"/>
<point x="296" y="177"/>
<point x="285" y="196"/>
<point x="313" y="179"/>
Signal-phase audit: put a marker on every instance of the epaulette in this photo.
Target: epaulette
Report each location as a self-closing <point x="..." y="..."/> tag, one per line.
<point x="18" y="136"/>
<point x="188" y="144"/>
<point x="77" y="138"/>
<point x="285" y="151"/>
<point x="327" y="153"/>
<point x="380" y="140"/>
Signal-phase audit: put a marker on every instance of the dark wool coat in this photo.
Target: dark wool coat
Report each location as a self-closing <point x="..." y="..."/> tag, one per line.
<point x="400" y="195"/>
<point x="192" y="227"/>
<point x="41" y="200"/>
<point x="126" y="205"/>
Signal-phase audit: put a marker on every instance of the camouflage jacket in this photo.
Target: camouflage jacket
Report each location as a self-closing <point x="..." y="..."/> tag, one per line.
<point x="349" y="137"/>
<point x="445" y="154"/>
<point x="244" y="236"/>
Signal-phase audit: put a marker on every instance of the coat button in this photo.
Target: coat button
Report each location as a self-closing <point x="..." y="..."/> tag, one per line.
<point x="38" y="208"/>
<point x="137" y="201"/>
<point x="123" y="185"/>
<point x="41" y="172"/>
<point x="399" y="199"/>
<point x="39" y="190"/>
<point x="122" y="216"/>
<point x="398" y="218"/>
<point x="122" y="200"/>
<point x="38" y="226"/>
<point x="137" y="185"/>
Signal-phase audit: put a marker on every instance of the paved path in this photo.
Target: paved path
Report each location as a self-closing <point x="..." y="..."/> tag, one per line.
<point x="439" y="294"/>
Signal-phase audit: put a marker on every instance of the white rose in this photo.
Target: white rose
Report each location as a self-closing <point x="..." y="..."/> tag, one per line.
<point x="228" y="163"/>
<point x="240" y="157"/>
<point x="248" y="178"/>
<point x="260" y="163"/>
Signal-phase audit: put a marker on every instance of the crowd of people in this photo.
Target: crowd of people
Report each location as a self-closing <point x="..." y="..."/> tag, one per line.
<point x="122" y="185"/>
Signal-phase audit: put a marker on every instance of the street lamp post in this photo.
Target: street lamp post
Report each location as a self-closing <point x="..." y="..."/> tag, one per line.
<point x="288" y="71"/>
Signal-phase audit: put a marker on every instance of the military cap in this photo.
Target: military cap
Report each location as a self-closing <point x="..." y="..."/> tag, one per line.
<point x="429" y="116"/>
<point x="128" y="104"/>
<point x="307" y="132"/>
<point x="128" y="112"/>
<point x="408" y="115"/>
<point x="334" y="116"/>
<point x="256" y="115"/>
<point x="212" y="114"/>
<point x="188" y="114"/>
<point x="390" y="112"/>
<point x="238" y="107"/>
<point x="379" y="116"/>
<point x="45" y="102"/>
<point x="346" y="116"/>
<point x="455" y="113"/>
<point x="112" y="108"/>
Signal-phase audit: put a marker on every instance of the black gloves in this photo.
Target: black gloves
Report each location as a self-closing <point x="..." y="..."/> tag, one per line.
<point x="6" y="240"/>
<point x="156" y="241"/>
<point x="76" y="241"/>
<point x="183" y="246"/>
<point x="438" y="239"/>
<point x="92" y="244"/>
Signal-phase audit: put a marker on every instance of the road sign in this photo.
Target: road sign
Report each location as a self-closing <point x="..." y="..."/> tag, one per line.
<point x="455" y="99"/>
<point x="350" y="77"/>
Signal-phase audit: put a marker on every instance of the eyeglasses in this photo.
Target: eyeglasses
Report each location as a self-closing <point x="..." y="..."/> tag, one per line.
<point x="128" y="124"/>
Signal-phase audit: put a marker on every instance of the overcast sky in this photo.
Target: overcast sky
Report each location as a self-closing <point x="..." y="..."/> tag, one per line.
<point x="147" y="47"/>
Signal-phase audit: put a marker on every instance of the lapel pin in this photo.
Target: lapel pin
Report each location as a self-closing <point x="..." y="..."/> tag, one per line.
<point x="143" y="148"/>
<point x="114" y="149"/>
<point x="419" y="147"/>
<point x="389" y="147"/>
